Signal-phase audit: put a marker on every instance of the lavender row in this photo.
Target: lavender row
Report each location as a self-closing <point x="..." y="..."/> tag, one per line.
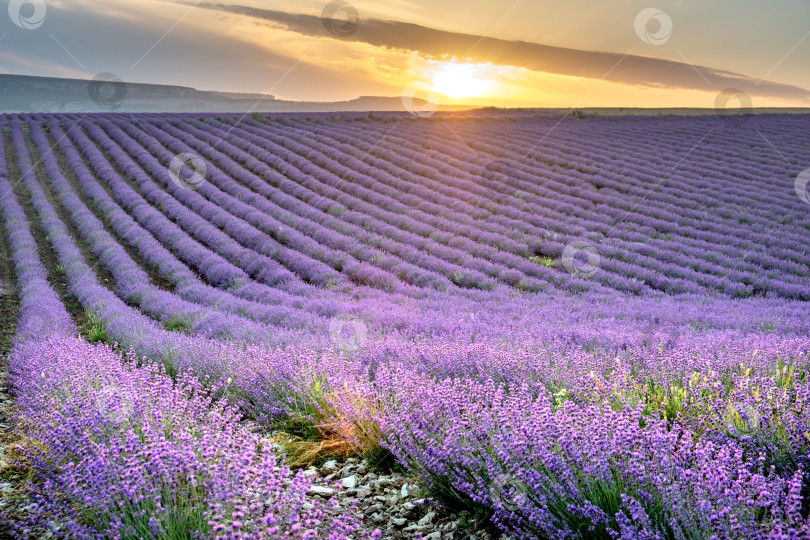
<point x="185" y="282"/>
<point x="555" y="466"/>
<point x="708" y="181"/>
<point x="125" y="324"/>
<point x="519" y="266"/>
<point x="187" y="202"/>
<point x="262" y="382"/>
<point x="309" y="216"/>
<point x="518" y="262"/>
<point x="41" y="310"/>
<point x="343" y="254"/>
<point x="132" y="284"/>
<point x="382" y="313"/>
<point x="364" y="201"/>
<point x="569" y="211"/>
<point x="96" y="432"/>
<point x="607" y="156"/>
<point x="497" y="173"/>
<point x="403" y="260"/>
<point x="366" y="193"/>
<point x="510" y="171"/>
<point x="260" y="267"/>
<point x="201" y="256"/>
<point x="121" y="451"/>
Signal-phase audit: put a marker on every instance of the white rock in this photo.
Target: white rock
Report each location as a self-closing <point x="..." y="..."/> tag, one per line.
<point x="322" y="491"/>
<point x="407" y="490"/>
<point x="428" y="518"/>
<point x="349" y="482"/>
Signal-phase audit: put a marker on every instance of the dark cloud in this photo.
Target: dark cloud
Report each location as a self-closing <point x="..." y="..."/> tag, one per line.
<point x="628" y="69"/>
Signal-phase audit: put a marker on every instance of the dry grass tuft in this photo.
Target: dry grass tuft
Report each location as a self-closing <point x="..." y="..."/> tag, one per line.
<point x="345" y="425"/>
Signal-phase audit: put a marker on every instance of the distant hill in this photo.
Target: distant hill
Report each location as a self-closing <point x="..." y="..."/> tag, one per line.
<point x="23" y="93"/>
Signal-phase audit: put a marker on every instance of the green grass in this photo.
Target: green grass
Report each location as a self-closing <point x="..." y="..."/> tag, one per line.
<point x="545" y="261"/>
<point x="177" y="324"/>
<point x="98" y="330"/>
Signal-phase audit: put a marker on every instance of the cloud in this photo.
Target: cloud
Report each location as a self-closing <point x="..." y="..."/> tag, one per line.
<point x="627" y="69"/>
<point x="39" y="66"/>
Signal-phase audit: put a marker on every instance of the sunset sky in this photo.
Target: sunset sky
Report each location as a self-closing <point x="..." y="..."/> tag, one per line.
<point x="509" y="53"/>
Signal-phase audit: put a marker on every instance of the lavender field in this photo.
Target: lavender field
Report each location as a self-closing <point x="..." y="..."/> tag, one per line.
<point x="559" y="326"/>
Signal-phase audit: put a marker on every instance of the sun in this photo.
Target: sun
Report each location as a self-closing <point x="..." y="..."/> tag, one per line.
<point x="461" y="80"/>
